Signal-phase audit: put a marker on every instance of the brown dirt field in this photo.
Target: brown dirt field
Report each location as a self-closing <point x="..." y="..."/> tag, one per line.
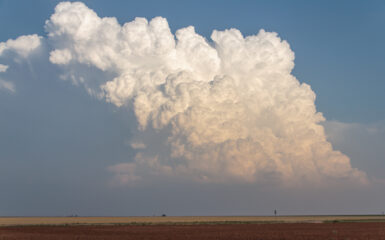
<point x="276" y="231"/>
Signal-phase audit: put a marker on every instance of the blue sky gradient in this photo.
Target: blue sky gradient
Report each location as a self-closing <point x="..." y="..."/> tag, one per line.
<point x="56" y="142"/>
<point x="338" y="45"/>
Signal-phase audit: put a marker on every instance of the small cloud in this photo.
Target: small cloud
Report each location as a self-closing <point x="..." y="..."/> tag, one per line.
<point x="3" y="68"/>
<point x="8" y="86"/>
<point x="124" y="173"/>
<point x="138" y="145"/>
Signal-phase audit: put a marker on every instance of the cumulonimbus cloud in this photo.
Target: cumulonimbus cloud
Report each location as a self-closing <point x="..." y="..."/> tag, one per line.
<point x="218" y="110"/>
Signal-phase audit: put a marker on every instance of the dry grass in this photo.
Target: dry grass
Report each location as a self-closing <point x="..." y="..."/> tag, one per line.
<point x="8" y="221"/>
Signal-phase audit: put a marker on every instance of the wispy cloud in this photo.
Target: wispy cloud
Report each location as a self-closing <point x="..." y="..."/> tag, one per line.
<point x="3" y="68"/>
<point x="8" y="86"/>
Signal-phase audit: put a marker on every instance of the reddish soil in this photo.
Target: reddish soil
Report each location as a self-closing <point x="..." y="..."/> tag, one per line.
<point x="297" y="231"/>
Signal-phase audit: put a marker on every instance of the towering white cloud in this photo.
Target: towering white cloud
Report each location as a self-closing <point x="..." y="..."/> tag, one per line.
<point x="224" y="109"/>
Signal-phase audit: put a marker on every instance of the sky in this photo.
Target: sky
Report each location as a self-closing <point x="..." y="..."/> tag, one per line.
<point x="99" y="118"/>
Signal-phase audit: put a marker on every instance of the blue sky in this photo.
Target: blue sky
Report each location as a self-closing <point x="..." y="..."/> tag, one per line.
<point x="343" y="40"/>
<point x="57" y="142"/>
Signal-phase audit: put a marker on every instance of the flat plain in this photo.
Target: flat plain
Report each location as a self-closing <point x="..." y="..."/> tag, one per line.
<point x="275" y="231"/>
<point x="203" y="228"/>
<point x="17" y="221"/>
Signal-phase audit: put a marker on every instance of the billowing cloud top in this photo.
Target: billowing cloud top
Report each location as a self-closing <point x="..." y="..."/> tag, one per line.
<point x="23" y="45"/>
<point x="219" y="110"/>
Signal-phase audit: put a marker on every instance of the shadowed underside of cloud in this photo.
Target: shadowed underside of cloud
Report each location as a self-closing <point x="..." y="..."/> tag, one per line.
<point x="218" y="110"/>
<point x="5" y="84"/>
